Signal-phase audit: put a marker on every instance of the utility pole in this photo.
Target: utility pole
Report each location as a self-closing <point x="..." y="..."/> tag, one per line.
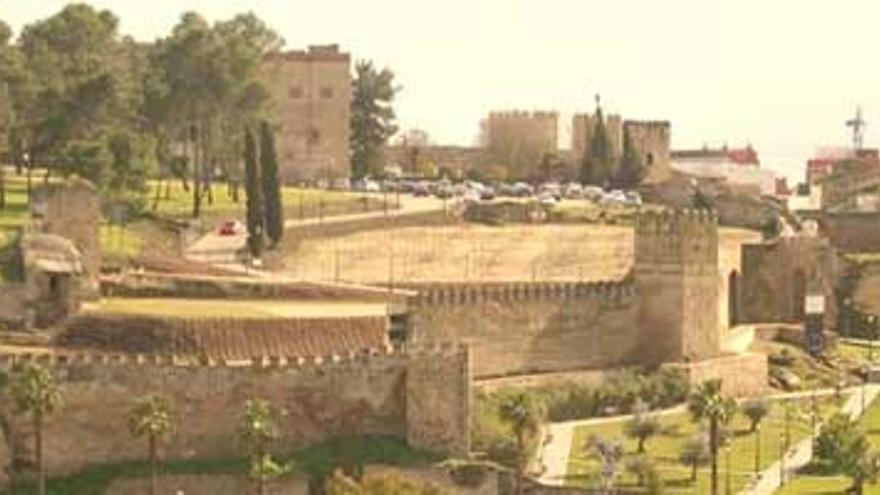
<point x="858" y="125"/>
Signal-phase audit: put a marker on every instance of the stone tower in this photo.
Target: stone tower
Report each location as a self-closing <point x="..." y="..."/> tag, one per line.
<point x="676" y="269"/>
<point x="310" y="99"/>
<point x="651" y="141"/>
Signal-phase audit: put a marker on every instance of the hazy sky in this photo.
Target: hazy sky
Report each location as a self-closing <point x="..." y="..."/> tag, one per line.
<point x="782" y="75"/>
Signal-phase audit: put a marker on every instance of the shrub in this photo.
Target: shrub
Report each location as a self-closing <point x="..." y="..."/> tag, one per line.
<point x="467" y="473"/>
<point x="782" y="358"/>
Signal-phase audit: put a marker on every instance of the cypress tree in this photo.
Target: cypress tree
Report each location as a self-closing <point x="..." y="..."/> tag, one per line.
<point x="274" y="213"/>
<point x="598" y="161"/>
<point x="600" y="151"/>
<point x="254" y="194"/>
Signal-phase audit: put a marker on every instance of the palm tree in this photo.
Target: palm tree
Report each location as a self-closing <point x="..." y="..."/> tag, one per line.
<point x="151" y="417"/>
<point x="36" y="393"/>
<point x="524" y="416"/>
<point x="260" y="425"/>
<point x="707" y="403"/>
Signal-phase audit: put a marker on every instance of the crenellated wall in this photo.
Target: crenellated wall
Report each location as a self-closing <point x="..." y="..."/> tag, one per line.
<point x="422" y="396"/>
<point x="517" y="328"/>
<point x="667" y="311"/>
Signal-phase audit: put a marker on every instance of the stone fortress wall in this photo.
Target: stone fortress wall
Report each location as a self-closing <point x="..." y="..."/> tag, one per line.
<point x="422" y="396"/>
<point x="656" y="315"/>
<point x="521" y="328"/>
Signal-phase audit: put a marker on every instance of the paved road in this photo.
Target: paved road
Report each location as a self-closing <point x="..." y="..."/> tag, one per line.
<point x="225" y="250"/>
<point x="559" y="436"/>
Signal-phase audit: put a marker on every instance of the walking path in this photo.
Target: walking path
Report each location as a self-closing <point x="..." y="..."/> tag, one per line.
<point x="558" y="439"/>
<point x="225" y="250"/>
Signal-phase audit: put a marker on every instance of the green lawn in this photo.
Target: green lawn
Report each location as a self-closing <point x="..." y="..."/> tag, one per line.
<point x="317" y="460"/>
<point x="15" y="214"/>
<point x="664" y="449"/>
<point x="836" y="485"/>
<point x="297" y="202"/>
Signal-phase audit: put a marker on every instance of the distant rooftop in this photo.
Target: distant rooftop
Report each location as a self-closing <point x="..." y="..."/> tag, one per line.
<point x="739" y="156"/>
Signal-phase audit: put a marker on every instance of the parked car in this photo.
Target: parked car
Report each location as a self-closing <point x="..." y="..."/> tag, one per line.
<point x="230" y="228"/>
<point x="593" y="193"/>
<point x="552" y="189"/>
<point x="613" y="198"/>
<point x="547" y="199"/>
<point x="523" y="190"/>
<point x="633" y="198"/>
<point x="573" y="190"/>
<point x="487" y="193"/>
<point x="421" y="190"/>
<point x="506" y="190"/>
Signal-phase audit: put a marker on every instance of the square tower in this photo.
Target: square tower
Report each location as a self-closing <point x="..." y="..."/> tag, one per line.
<point x="310" y="100"/>
<point x="676" y="270"/>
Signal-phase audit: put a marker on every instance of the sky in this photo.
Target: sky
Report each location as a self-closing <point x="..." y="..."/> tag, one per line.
<point x="781" y="75"/>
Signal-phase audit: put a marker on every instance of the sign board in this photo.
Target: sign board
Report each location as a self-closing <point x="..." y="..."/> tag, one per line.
<point x="814" y="304"/>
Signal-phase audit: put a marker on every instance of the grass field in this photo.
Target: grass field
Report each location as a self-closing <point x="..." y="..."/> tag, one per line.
<point x="481" y="253"/>
<point x="317" y="460"/>
<point x="837" y="485"/>
<point x="222" y="308"/>
<point x="678" y="428"/>
<point x="297" y="202"/>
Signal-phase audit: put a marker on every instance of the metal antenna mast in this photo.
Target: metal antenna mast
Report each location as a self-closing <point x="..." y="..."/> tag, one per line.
<point x="858" y="126"/>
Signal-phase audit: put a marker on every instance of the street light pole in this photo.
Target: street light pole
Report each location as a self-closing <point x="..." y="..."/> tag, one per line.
<point x="782" y="450"/>
<point x="727" y="480"/>
<point x="758" y="449"/>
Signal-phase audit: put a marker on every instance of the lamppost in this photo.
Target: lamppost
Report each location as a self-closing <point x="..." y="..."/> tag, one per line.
<point x="758" y="449"/>
<point x="727" y="479"/>
<point x="782" y="451"/>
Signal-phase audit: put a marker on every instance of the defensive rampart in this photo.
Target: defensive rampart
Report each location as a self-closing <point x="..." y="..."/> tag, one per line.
<point x="422" y="396"/>
<point x="518" y="328"/>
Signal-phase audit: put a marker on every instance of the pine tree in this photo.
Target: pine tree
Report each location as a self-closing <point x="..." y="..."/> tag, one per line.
<point x="631" y="170"/>
<point x="254" y="193"/>
<point x="598" y="162"/>
<point x="274" y="214"/>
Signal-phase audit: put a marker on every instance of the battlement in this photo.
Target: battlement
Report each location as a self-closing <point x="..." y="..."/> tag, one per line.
<point x="647" y="124"/>
<point x="523" y="114"/>
<point x="60" y="360"/>
<point x="459" y="294"/>
<point x="675" y="221"/>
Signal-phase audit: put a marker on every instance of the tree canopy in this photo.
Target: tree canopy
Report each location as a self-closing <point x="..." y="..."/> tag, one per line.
<point x="372" y="117"/>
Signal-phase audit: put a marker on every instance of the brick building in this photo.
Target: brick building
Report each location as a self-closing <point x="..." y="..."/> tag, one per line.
<point x="311" y="95"/>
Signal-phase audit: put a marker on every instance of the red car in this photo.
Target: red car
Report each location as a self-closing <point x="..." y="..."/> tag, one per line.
<point x="229" y="228"/>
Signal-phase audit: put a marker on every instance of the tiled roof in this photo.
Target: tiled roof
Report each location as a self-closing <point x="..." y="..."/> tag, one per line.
<point x="226" y="338"/>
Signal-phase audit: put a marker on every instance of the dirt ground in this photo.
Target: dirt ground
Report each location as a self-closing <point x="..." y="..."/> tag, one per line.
<point x="481" y="253"/>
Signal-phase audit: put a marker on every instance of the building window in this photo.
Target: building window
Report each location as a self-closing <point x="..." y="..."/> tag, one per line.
<point x="326" y="92"/>
<point x="295" y="92"/>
